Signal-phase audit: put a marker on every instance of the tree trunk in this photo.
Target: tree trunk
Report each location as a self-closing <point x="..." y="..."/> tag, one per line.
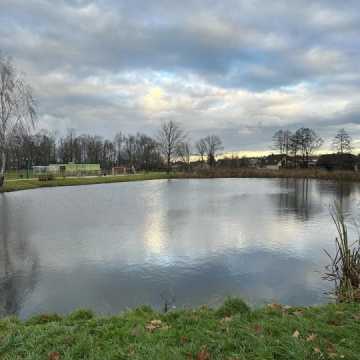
<point x="168" y="163"/>
<point x="2" y="171"/>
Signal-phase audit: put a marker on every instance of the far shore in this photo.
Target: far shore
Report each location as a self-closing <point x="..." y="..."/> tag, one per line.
<point x="34" y="183"/>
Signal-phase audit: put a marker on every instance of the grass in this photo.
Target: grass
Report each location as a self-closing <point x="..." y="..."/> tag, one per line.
<point x="19" y="174"/>
<point x="273" y="332"/>
<point x="26" y="184"/>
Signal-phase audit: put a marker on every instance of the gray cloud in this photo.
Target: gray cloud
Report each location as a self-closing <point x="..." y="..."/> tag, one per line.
<point x="220" y="66"/>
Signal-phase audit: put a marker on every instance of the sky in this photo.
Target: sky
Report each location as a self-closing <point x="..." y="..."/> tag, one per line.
<point x="241" y="69"/>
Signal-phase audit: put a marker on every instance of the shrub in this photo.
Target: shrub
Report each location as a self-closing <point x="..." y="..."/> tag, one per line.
<point x="232" y="306"/>
<point x="81" y="314"/>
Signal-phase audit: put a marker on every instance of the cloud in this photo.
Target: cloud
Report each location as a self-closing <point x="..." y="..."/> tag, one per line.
<point x="215" y="66"/>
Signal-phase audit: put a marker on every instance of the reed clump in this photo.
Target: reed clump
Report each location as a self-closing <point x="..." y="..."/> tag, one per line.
<point x="344" y="267"/>
<point x="298" y="173"/>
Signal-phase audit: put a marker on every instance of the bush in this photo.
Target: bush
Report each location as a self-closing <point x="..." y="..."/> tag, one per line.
<point x="81" y="314"/>
<point x="232" y="306"/>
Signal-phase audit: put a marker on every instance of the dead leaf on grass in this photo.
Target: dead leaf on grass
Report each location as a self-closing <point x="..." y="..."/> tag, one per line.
<point x="203" y="355"/>
<point x="258" y="329"/>
<point x="153" y="325"/>
<point x="226" y="319"/>
<point x="298" y="313"/>
<point x="275" y="306"/>
<point x="311" y="337"/>
<point x="55" y="355"/>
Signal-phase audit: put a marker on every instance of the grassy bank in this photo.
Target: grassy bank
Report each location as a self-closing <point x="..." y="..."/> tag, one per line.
<point x="231" y="332"/>
<point x="25" y="184"/>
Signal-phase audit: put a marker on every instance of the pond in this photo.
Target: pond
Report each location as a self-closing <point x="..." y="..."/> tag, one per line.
<point x="184" y="242"/>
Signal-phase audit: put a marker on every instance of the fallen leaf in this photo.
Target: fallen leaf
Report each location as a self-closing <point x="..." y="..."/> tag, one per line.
<point x="311" y="337"/>
<point x="226" y="319"/>
<point x="298" y="313"/>
<point x="54" y="355"/>
<point x="150" y="327"/>
<point x="296" y="334"/>
<point x="156" y="324"/>
<point x="331" y="349"/>
<point x="131" y="350"/>
<point x="184" y="339"/>
<point x="258" y="329"/>
<point x="275" y="306"/>
<point x="203" y="355"/>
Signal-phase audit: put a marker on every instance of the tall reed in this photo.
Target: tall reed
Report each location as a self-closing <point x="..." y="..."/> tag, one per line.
<point x="344" y="267"/>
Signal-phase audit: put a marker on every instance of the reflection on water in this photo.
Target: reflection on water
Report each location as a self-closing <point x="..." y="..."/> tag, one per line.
<point x="17" y="262"/>
<point x="109" y="247"/>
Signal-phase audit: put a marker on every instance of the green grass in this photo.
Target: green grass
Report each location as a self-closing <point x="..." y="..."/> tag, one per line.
<point x="275" y="332"/>
<point x="18" y="174"/>
<point x="26" y="184"/>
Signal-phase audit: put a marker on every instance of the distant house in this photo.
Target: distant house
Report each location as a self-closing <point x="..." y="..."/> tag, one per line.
<point x="253" y="162"/>
<point x="273" y="162"/>
<point x="37" y="170"/>
<point x="274" y="166"/>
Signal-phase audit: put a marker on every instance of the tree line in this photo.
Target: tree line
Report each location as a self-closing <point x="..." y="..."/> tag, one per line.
<point x="142" y="151"/>
<point x="20" y="148"/>
<point x="304" y="142"/>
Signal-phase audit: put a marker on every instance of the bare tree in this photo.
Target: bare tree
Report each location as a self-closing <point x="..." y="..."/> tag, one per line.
<point x="183" y="151"/>
<point x="17" y="108"/>
<point x="213" y="145"/>
<point x="201" y="148"/>
<point x="342" y="142"/>
<point x="309" y="141"/>
<point x="281" y="142"/>
<point x="169" y="137"/>
<point x="294" y="146"/>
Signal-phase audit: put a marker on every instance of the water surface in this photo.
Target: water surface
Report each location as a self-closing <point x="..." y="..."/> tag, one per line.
<point x="115" y="246"/>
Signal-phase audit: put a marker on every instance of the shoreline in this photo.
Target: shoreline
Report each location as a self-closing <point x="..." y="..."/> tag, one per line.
<point x="233" y="331"/>
<point x="339" y="176"/>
